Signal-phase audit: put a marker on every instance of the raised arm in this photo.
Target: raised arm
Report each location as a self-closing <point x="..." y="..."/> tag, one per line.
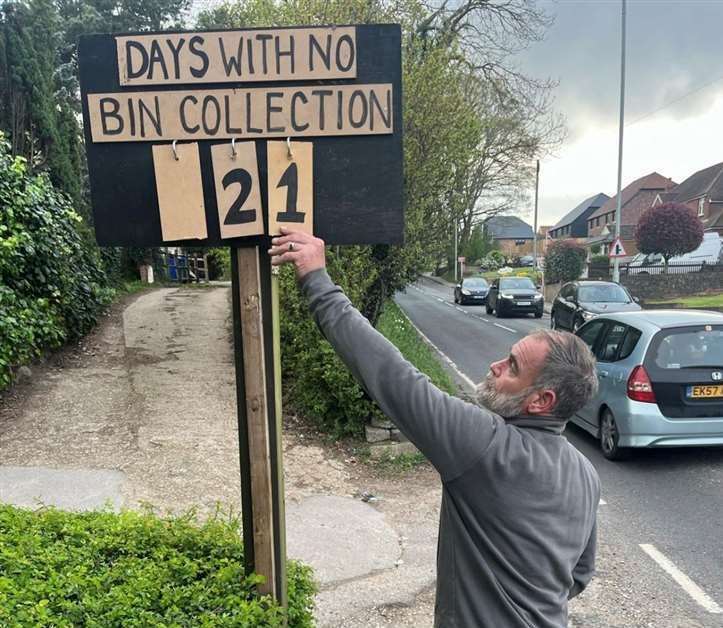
<point x="452" y="434"/>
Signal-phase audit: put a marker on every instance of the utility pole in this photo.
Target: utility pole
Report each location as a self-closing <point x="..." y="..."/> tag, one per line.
<point x="618" y="209"/>
<point x="456" y="263"/>
<point x="534" y="241"/>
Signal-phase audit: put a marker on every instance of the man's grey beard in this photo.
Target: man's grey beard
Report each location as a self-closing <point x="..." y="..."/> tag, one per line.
<point x="504" y="404"/>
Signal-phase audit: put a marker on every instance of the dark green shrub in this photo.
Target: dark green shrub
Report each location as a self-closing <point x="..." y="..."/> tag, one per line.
<point x="134" y="569"/>
<point x="564" y="261"/>
<point x="52" y="278"/>
<point x="316" y="381"/>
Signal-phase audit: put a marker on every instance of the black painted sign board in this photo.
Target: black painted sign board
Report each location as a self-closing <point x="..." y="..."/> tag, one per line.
<point x="336" y="88"/>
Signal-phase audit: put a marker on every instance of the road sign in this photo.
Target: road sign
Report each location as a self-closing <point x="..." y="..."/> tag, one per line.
<point x="461" y="259"/>
<point x="199" y="109"/>
<point x="617" y="249"/>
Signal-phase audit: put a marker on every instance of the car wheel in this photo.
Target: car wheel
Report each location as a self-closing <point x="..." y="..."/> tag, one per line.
<point x="538" y="314"/>
<point x="609" y="438"/>
<point x="498" y="311"/>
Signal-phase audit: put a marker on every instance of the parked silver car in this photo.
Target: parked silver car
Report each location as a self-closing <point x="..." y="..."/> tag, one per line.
<point x="661" y="380"/>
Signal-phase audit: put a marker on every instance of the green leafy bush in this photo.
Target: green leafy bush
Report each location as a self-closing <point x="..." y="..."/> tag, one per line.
<point x="134" y="569"/>
<point x="564" y="261"/>
<point x="494" y="260"/>
<point x="52" y="278"/>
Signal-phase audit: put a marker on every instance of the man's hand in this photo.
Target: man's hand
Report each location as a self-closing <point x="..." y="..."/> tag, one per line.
<point x="304" y="251"/>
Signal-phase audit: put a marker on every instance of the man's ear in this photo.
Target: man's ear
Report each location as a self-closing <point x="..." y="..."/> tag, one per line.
<point x="542" y="402"/>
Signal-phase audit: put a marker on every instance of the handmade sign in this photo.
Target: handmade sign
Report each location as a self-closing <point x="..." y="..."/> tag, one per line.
<point x="218" y="138"/>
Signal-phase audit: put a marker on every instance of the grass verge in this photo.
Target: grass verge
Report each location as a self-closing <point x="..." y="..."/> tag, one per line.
<point x="394" y="324"/>
<point x="696" y="301"/>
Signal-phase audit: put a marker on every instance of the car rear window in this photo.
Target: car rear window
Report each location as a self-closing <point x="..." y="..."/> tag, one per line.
<point x="685" y="347"/>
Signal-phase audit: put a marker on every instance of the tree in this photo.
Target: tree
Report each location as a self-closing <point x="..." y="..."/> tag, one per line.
<point x="563" y="261"/>
<point x="669" y="229"/>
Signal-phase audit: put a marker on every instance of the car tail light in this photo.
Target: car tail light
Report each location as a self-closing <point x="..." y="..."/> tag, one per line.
<point x="639" y="386"/>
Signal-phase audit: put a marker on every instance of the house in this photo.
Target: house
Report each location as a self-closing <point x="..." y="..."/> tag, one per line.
<point x="574" y="223"/>
<point x="636" y="198"/>
<point x="703" y="193"/>
<point x="513" y="236"/>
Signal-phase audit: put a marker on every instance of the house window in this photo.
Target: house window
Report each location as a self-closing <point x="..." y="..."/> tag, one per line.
<point x="701" y="206"/>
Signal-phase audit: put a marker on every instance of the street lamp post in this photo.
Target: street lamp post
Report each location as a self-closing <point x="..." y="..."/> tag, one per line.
<point x="534" y="235"/>
<point x="618" y="208"/>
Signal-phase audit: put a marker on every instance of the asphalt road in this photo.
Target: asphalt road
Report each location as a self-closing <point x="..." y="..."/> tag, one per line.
<point x="671" y="499"/>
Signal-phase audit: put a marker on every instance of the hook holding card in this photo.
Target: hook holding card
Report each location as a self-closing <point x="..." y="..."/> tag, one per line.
<point x="233" y="148"/>
<point x="288" y="147"/>
<point x="173" y="146"/>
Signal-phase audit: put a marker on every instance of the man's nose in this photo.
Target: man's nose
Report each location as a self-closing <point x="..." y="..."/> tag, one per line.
<point x="496" y="368"/>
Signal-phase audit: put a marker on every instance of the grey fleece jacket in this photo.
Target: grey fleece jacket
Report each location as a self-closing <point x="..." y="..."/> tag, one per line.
<point x="517" y="525"/>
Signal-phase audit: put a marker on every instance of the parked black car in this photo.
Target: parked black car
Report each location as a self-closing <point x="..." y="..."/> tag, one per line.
<point x="527" y="260"/>
<point x="579" y="301"/>
<point x="471" y="290"/>
<point x="514" y="295"/>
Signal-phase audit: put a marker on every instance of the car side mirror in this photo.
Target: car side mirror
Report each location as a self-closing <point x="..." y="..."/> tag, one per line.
<point x="539" y="286"/>
<point x="636" y="299"/>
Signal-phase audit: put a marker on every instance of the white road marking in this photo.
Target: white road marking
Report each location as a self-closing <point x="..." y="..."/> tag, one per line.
<point x="514" y="331"/>
<point x="461" y="375"/>
<point x="690" y="587"/>
<point x="459" y="309"/>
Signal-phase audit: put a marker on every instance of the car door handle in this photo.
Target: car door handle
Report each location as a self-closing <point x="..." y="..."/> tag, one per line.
<point x="602" y="373"/>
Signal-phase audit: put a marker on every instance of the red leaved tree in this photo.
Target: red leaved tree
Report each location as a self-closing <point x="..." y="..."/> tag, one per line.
<point x="669" y="229"/>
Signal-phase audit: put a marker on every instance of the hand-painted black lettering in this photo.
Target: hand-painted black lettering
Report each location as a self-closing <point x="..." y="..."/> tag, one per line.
<point x="235" y="215"/>
<point x="284" y="53"/>
<point x="157" y="58"/>
<point x="272" y="109"/>
<point x="194" y="45"/>
<point x="184" y="118"/>
<point x="211" y="120"/>
<point x="264" y="60"/>
<point x="384" y="112"/>
<point x="323" y="53"/>
<point x="113" y="113"/>
<point x="175" y="51"/>
<point x="250" y="54"/>
<point x="321" y="93"/>
<point x="294" y="123"/>
<point x="131" y="118"/>
<point x="358" y="96"/>
<point x="230" y="130"/>
<point x="231" y="63"/>
<point x="155" y="121"/>
<point x="249" y="128"/>
<point x="339" y="110"/>
<point x="345" y="39"/>
<point x="290" y="180"/>
<point x="131" y="72"/>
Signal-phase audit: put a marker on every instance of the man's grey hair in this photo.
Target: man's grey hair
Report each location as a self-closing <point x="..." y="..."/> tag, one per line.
<point x="568" y="369"/>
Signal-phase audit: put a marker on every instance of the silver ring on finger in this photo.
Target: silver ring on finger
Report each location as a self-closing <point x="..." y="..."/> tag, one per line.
<point x="292" y="246"/>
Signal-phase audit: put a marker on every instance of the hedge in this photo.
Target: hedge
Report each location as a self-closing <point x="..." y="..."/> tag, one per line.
<point x="134" y="569"/>
<point x="53" y="283"/>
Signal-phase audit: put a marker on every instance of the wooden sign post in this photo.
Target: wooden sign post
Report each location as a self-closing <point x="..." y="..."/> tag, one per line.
<point x="219" y="139"/>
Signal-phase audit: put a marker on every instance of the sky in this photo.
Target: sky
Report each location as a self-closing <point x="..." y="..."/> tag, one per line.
<point x="674" y="55"/>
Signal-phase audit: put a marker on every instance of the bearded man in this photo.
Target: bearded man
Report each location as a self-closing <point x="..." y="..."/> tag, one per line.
<point x="517" y="531"/>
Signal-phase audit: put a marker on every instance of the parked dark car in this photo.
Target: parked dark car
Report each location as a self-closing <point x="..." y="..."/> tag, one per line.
<point x="514" y="295"/>
<point x="527" y="260"/>
<point x="579" y="301"/>
<point x="661" y="380"/>
<point x="471" y="290"/>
